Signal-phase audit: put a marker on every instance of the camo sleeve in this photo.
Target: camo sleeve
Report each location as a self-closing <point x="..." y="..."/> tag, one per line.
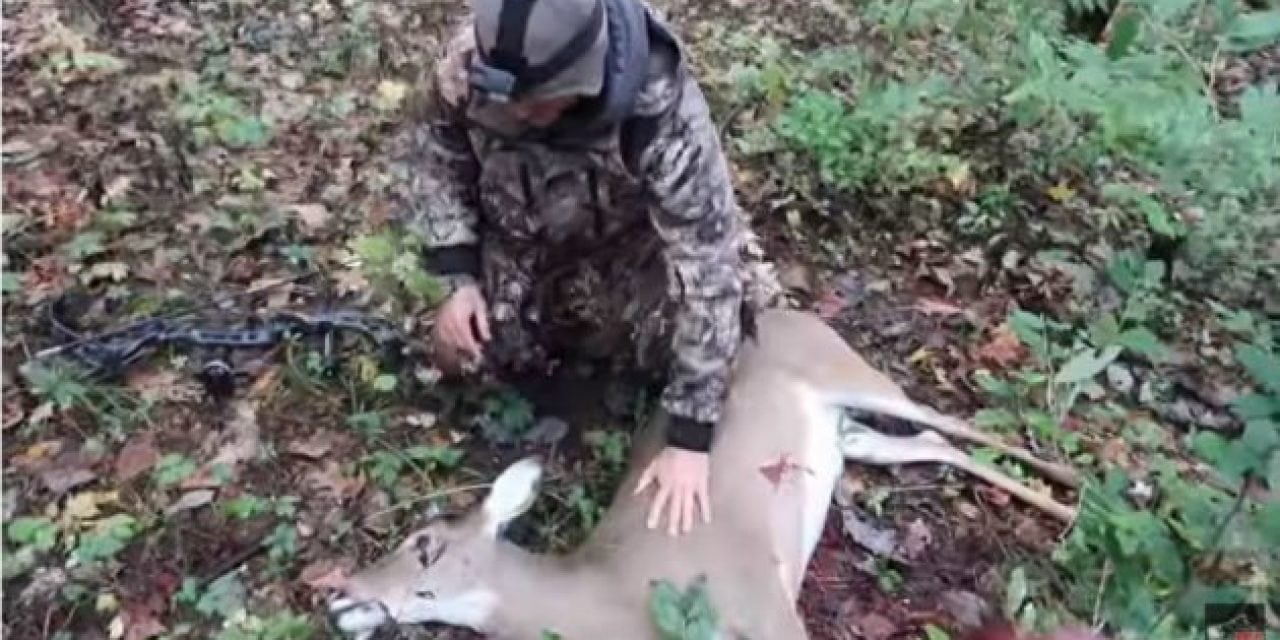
<point x="696" y="215"/>
<point x="438" y="199"/>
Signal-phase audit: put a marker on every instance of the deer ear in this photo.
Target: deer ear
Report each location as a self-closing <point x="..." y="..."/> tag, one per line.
<point x="513" y="493"/>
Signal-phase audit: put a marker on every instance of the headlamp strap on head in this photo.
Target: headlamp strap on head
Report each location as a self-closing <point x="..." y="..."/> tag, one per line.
<point x="505" y="72"/>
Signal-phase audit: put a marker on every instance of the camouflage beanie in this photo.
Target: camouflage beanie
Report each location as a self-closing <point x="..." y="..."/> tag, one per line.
<point x="540" y="48"/>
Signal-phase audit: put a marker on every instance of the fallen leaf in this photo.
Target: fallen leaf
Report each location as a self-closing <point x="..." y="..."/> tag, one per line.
<point x="798" y="277"/>
<point x="115" y="628"/>
<point x="314" y="216"/>
<point x="875" y="626"/>
<point x="191" y="500"/>
<point x="113" y="271"/>
<point x="993" y="496"/>
<point x="246" y="436"/>
<point x="390" y="94"/>
<point x="45" y="583"/>
<point x="1003" y="350"/>
<point x="961" y="178"/>
<point x="881" y="542"/>
<point x="62" y="480"/>
<point x="13" y="415"/>
<point x="117" y="188"/>
<point x="263" y="284"/>
<point x="917" y="539"/>
<point x="324" y="575"/>
<point x="350" y="281"/>
<point x="330" y="480"/>
<point x="919" y="355"/>
<point x="153" y="385"/>
<point x="36" y="455"/>
<point x="1060" y="192"/>
<point x="1030" y="532"/>
<point x="830" y="304"/>
<point x="967" y="608"/>
<point x="85" y="505"/>
<point x="136" y="458"/>
<point x="292" y="80"/>
<point x="106" y="603"/>
<point x="376" y="513"/>
<point x="140" y="623"/>
<point x="935" y="307"/>
<point x="313" y="448"/>
<point x="1116" y="452"/>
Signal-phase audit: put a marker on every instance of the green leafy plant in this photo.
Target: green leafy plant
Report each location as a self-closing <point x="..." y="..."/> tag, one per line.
<point x="393" y="265"/>
<point x="217" y="116"/>
<point x="245" y="507"/>
<point x="172" y="469"/>
<point x="876" y="138"/>
<point x="67" y="388"/>
<point x="107" y="537"/>
<point x="683" y="614"/>
<point x="32" y="536"/>
<point x="283" y="625"/>
<point x="504" y="415"/>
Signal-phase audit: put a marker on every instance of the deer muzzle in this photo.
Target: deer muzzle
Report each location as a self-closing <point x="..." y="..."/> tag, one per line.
<point x="357" y="618"/>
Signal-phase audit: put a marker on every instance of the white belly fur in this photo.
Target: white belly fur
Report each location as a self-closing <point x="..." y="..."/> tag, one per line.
<point x="823" y="464"/>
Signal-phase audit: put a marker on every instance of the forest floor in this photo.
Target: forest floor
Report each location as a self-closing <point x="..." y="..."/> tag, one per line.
<point x="226" y="158"/>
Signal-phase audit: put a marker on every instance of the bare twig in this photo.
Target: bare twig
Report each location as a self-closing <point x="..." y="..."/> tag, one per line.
<point x="1102" y="587"/>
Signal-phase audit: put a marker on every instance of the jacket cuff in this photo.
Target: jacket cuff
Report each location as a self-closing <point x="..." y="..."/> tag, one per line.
<point x="462" y="259"/>
<point x="689" y="434"/>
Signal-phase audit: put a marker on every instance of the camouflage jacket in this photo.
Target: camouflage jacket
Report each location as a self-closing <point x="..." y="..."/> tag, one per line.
<point x="476" y="185"/>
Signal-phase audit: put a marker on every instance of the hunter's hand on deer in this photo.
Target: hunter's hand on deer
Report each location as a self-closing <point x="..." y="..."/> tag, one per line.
<point x="681" y="480"/>
<point x="462" y="326"/>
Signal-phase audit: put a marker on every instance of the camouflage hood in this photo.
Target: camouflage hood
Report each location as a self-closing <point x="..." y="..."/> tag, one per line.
<point x="634" y="35"/>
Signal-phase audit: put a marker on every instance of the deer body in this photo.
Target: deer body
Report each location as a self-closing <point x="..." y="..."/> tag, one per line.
<point x="777" y="456"/>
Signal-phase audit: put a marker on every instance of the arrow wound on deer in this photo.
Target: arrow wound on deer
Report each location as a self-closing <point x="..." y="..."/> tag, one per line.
<point x="775" y="471"/>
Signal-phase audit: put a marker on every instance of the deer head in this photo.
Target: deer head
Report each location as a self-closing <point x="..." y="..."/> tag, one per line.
<point x="440" y="573"/>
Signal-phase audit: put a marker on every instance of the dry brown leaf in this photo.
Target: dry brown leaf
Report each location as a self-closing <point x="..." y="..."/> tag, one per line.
<point x="1116" y="452"/>
<point x="993" y="495"/>
<point x="136" y="458"/>
<point x="314" y="216"/>
<point x="263" y="284"/>
<point x="152" y="385"/>
<point x="62" y="480"/>
<point x="326" y="574"/>
<point x="936" y="307"/>
<point x="191" y="500"/>
<point x="13" y="415"/>
<point x="875" y="626"/>
<point x="916" y="539"/>
<point x="329" y="480"/>
<point x="830" y="304"/>
<point x="140" y="622"/>
<point x="85" y="505"/>
<point x="350" y="281"/>
<point x="1003" y="350"/>
<point x="36" y="455"/>
<point x="1060" y="192"/>
<point x="313" y="448"/>
<point x="117" y="188"/>
<point x="246" y="436"/>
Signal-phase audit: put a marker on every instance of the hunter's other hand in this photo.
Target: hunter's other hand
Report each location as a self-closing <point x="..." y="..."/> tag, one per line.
<point x="681" y="477"/>
<point x="462" y="326"/>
